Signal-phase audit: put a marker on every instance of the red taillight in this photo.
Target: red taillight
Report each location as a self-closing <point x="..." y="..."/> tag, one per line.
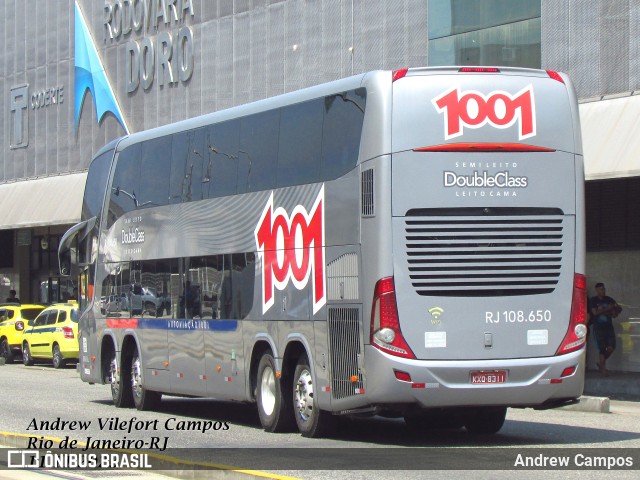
<point x="555" y="76"/>
<point x="398" y="74"/>
<point x="479" y="70"/>
<point x="19" y="325"/>
<point x="483" y="147"/>
<point x="576" y="335"/>
<point x="67" y="332"/>
<point x="385" y="324"/>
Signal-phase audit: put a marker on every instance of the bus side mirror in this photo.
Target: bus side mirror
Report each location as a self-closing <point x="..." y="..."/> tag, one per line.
<point x="66" y="261"/>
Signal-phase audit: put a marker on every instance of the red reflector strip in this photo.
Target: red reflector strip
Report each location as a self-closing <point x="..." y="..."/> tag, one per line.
<point x="555" y="76"/>
<point x="398" y="74"/>
<point x="326" y="389"/>
<point x="359" y="391"/>
<point x="556" y="380"/>
<point x="483" y="147"/>
<point x="418" y="385"/>
<point x="479" y="70"/>
<point x="122" y="323"/>
<point x="228" y="379"/>
<point x="402" y="376"/>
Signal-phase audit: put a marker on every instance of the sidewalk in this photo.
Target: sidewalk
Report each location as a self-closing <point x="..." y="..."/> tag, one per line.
<point x="616" y="386"/>
<point x="622" y="387"/>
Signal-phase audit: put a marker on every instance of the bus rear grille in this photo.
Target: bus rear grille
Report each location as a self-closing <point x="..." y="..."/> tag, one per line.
<point x="345" y="346"/>
<point x="484" y="252"/>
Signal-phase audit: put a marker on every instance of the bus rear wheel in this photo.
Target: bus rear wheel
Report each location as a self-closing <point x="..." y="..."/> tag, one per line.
<point x="311" y="421"/>
<point x="120" y="380"/>
<point x="485" y="420"/>
<point x="143" y="399"/>
<point x="274" y="408"/>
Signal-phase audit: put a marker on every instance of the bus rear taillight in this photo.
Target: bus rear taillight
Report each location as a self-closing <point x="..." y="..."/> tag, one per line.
<point x="385" y="324"/>
<point x="577" y="333"/>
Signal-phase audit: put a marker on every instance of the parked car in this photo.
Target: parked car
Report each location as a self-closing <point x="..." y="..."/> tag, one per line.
<point x="147" y="299"/>
<point x="14" y="319"/>
<point x="113" y="304"/>
<point x="53" y="335"/>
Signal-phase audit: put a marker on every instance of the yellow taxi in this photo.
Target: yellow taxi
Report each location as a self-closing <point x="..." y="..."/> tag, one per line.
<point x="53" y="335"/>
<point x="14" y="319"/>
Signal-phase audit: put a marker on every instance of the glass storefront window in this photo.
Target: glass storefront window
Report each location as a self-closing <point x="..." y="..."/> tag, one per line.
<point x="452" y="17"/>
<point x="485" y="32"/>
<point x="514" y="44"/>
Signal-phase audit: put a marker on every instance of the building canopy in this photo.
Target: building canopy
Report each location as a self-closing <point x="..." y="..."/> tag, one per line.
<point x="611" y="137"/>
<point x="53" y="200"/>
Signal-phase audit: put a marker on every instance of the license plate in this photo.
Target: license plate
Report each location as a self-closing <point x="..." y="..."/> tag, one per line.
<point x="488" y="377"/>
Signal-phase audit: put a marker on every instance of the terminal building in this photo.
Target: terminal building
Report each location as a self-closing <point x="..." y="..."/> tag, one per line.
<point x="75" y="75"/>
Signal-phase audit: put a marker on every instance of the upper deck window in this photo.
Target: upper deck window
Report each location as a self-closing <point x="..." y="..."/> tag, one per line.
<point x="309" y="142"/>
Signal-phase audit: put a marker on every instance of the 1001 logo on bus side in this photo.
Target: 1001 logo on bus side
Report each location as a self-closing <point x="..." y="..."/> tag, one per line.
<point x="291" y="248"/>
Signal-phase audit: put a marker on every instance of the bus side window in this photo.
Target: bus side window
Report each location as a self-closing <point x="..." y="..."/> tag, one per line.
<point x="126" y="182"/>
<point x="343" y="118"/>
<point x="195" y="164"/>
<point x="300" y="147"/>
<point x="154" y="171"/>
<point x="258" y="153"/>
<point x="221" y="172"/>
<point x="178" y="184"/>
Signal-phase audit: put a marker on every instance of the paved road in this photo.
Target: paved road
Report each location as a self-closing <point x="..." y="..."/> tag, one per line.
<point x="32" y="395"/>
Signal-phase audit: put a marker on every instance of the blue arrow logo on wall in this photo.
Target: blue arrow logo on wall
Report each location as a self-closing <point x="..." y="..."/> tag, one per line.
<point x="90" y="75"/>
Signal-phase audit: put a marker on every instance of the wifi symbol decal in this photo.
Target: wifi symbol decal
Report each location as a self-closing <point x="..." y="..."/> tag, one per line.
<point x="436" y="312"/>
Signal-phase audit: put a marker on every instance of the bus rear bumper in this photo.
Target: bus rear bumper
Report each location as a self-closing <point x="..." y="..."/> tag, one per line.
<point x="544" y="382"/>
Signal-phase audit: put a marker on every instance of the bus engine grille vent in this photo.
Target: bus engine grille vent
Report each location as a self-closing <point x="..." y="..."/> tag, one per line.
<point x="484" y="252"/>
<point x="345" y="347"/>
<point x="366" y="191"/>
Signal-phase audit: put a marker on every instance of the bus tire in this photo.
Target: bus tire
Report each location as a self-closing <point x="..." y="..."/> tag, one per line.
<point x="311" y="421"/>
<point x="485" y="420"/>
<point x="143" y="399"/>
<point x="274" y="408"/>
<point x="27" y="359"/>
<point x="121" y="393"/>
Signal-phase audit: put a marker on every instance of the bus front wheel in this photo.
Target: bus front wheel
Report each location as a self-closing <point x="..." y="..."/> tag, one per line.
<point x="311" y="421"/>
<point x="274" y="408"/>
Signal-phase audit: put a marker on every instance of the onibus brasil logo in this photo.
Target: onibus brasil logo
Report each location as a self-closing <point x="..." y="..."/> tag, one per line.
<point x="291" y="249"/>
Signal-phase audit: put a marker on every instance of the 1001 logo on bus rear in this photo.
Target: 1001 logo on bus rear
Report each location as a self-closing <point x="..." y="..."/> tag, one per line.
<point x="499" y="109"/>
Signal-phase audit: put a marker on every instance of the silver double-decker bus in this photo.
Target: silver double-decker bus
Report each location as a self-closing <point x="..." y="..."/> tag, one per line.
<point x="406" y="243"/>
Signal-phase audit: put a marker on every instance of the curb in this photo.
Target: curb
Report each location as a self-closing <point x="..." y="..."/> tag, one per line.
<point x="590" y="404"/>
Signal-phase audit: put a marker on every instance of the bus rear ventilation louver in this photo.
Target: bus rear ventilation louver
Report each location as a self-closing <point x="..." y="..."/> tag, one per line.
<point x="484" y="253"/>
